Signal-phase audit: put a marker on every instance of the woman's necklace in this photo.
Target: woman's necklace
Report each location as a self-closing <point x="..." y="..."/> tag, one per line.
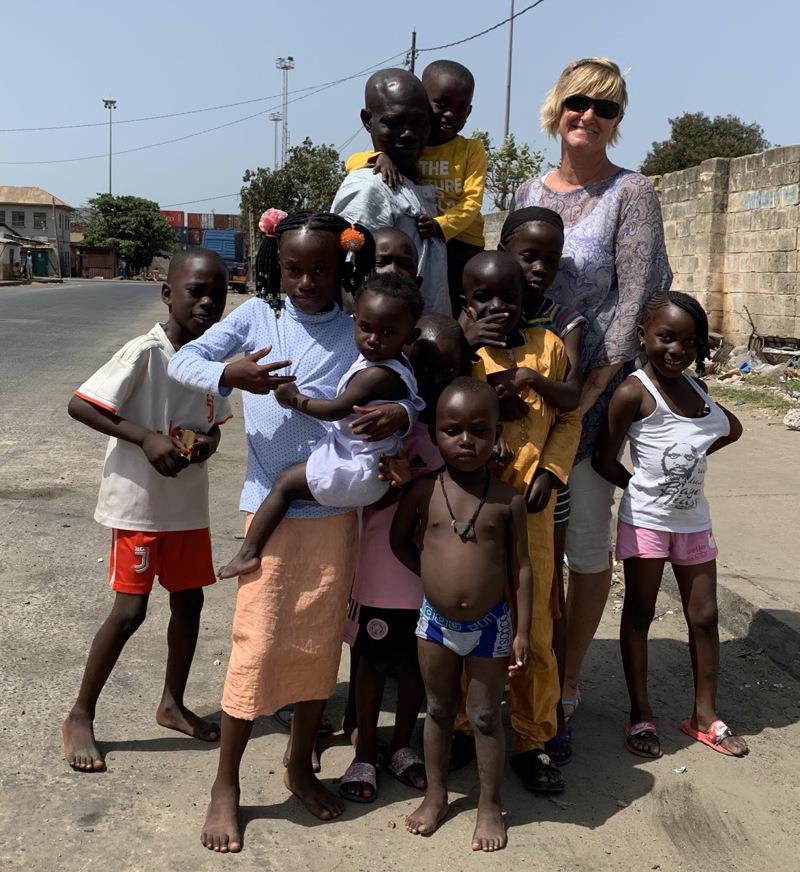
<point x="465" y="530"/>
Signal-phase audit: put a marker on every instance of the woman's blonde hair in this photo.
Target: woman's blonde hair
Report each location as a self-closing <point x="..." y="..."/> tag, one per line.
<point x="593" y="77"/>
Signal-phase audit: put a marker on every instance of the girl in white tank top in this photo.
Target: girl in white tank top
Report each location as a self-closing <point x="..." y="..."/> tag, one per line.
<point x="672" y="425"/>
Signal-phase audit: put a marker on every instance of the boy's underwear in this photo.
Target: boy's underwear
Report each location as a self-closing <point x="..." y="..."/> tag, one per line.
<point x="490" y="636"/>
<point x="383" y="635"/>
<point x="180" y="558"/>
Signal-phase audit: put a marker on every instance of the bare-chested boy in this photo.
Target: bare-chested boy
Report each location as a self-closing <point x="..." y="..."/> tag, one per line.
<point x="472" y="553"/>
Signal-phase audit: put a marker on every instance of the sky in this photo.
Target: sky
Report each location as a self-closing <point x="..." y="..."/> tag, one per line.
<point x="158" y="58"/>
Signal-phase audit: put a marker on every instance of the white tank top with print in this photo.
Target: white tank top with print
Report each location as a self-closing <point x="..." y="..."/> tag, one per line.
<point x="668" y="452"/>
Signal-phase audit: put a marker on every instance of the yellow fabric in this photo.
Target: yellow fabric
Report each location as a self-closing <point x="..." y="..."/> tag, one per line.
<point x="549" y="439"/>
<point x="457" y="169"/>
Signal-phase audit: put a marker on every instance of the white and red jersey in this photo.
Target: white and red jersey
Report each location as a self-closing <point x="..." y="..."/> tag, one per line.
<point x="134" y="385"/>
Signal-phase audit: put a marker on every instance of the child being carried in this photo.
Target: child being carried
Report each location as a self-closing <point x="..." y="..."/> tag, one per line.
<point x="342" y="470"/>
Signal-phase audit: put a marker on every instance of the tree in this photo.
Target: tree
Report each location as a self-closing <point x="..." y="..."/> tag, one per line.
<point x="131" y="226"/>
<point x="695" y="137"/>
<point x="308" y="180"/>
<point x="507" y="167"/>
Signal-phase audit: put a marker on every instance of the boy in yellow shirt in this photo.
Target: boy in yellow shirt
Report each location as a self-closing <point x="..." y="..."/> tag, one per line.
<point x="454" y="165"/>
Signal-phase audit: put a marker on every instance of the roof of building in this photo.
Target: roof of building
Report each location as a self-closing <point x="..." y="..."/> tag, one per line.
<point x="29" y="196"/>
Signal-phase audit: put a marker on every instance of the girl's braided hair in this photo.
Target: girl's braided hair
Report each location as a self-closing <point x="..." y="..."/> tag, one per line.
<point x="692" y="308"/>
<point x="352" y="271"/>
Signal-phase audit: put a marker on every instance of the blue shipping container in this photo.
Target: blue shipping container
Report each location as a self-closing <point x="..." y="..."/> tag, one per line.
<point x="229" y="244"/>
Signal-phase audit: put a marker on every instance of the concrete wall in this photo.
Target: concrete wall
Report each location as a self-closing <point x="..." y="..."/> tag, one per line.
<point x="48" y="234"/>
<point x="732" y="228"/>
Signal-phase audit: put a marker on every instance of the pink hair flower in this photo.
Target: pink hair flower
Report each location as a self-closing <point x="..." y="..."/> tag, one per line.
<point x="270" y="220"/>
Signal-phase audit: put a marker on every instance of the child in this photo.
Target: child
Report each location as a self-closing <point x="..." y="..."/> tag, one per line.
<point x="535" y="237"/>
<point x="464" y="532"/>
<point x="386" y="597"/>
<point x="342" y="470"/>
<point x="154" y="496"/>
<point x="455" y="166"/>
<point x="672" y="425"/>
<point x="396" y="115"/>
<point x="543" y="442"/>
<point x="395" y="252"/>
<point x="289" y="619"/>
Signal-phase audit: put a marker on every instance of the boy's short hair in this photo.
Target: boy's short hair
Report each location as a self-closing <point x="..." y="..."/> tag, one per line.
<point x="594" y="77"/>
<point x="395" y="286"/>
<point x="450" y="68"/>
<point x="464" y="384"/>
<point x="181" y="258"/>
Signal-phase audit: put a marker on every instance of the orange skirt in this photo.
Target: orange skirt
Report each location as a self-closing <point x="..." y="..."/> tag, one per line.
<point x="289" y="618"/>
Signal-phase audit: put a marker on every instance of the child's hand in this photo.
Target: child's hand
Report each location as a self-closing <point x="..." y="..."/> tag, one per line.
<point x="202" y="448"/>
<point x="539" y="491"/>
<point x="286" y="393"/>
<point x="520" y="654"/>
<point x="513" y="408"/>
<point x="248" y="374"/>
<point x="378" y="422"/>
<point x="390" y="175"/>
<point x="429" y="227"/>
<point x="164" y="454"/>
<point x="396" y="469"/>
<point x="484" y="331"/>
<point x="502" y="455"/>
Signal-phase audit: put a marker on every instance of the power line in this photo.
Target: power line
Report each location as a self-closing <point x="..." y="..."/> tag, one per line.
<point x="203" y="200"/>
<point x="482" y="32"/>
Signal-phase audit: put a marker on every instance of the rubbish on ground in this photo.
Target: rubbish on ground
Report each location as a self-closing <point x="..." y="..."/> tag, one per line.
<point x="792" y="419"/>
<point x="679" y="770"/>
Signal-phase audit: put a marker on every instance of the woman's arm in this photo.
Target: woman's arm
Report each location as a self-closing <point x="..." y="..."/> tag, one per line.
<point x="597" y="380"/>
<point x="520" y="583"/>
<point x="405" y="523"/>
<point x="622" y="411"/>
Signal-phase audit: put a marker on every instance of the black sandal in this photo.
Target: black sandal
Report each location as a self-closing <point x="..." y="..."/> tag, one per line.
<point x="533" y="769"/>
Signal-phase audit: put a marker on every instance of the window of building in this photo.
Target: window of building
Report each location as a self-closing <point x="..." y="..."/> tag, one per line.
<point x="17" y="219"/>
<point x="2" y="216"/>
<point x="40" y="220"/>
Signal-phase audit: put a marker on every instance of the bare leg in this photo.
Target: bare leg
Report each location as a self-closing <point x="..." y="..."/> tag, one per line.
<point x="349" y="725"/>
<point x="221" y="831"/>
<point x="486" y="681"/>
<point x="642" y="582"/>
<point x="299" y="776"/>
<point x="698" y="587"/>
<point x="441" y="672"/>
<point x="370" y="681"/>
<point x="290" y="485"/>
<point x="410" y="693"/>
<point x="184" y="626"/>
<point x="80" y="748"/>
<point x="586" y="598"/>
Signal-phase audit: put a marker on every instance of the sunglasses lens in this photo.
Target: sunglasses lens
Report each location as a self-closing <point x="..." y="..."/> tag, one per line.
<point x="606" y="108"/>
<point x="577" y="103"/>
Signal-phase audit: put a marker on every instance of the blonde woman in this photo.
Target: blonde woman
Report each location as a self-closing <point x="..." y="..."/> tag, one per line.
<point x="614" y="259"/>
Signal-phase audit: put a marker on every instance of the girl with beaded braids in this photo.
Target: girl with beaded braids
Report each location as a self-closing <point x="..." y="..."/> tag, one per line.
<point x="290" y="611"/>
<point x="672" y="425"/>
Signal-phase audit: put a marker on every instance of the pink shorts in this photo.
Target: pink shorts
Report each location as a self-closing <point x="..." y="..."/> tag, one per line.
<point x="683" y="549"/>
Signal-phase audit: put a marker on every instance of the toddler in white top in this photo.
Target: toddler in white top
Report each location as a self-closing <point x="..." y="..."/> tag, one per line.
<point x="672" y="425"/>
<point x="343" y="470"/>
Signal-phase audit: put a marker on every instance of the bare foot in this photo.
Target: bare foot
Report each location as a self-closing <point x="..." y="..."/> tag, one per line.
<point x="490" y="831"/>
<point x="315" y="797"/>
<point x="182" y="719"/>
<point x="80" y="748"/>
<point x="427" y="818"/>
<point x="244" y="563"/>
<point x="221" y="828"/>
<point x="316" y="766"/>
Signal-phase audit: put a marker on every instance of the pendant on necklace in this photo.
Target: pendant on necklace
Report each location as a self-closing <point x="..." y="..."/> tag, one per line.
<point x="464" y="529"/>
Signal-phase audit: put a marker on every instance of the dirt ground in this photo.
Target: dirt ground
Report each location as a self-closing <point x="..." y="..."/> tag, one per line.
<point x="691" y="810"/>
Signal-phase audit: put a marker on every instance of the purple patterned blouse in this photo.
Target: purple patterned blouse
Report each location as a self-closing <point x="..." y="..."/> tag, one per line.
<point x="614" y="259"/>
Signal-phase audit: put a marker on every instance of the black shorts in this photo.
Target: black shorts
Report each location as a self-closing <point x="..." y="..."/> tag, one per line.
<point x="386" y="635"/>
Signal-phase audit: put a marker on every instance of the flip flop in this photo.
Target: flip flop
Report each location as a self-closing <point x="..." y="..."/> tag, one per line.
<point x="399" y="764"/>
<point x="642" y="730"/>
<point x="574" y="703"/>
<point x="359" y="773"/>
<point x="562" y="740"/>
<point x="714" y="736"/>
<point x="528" y="765"/>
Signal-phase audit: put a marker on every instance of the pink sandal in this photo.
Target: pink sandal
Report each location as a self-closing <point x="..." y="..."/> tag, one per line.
<point x="714" y="736"/>
<point x="642" y="730"/>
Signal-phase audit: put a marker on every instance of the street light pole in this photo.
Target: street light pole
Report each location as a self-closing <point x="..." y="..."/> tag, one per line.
<point x="276" y="117"/>
<point x="110" y="105"/>
<point x="508" y="74"/>
<point x="285" y="64"/>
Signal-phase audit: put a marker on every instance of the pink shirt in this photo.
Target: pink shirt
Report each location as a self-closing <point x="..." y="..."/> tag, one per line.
<point x="381" y="579"/>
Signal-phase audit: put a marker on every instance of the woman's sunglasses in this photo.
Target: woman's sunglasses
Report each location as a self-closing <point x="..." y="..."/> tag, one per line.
<point x="602" y="108"/>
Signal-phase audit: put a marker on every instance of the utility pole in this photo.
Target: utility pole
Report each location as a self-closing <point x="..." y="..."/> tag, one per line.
<point x="110" y="105"/>
<point x="276" y="118"/>
<point x="412" y="55"/>
<point x="508" y="74"/>
<point x="285" y="64"/>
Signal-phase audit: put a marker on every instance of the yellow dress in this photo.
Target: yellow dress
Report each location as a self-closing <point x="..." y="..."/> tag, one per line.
<point x="548" y="439"/>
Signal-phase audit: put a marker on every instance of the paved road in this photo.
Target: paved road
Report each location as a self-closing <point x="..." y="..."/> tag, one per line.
<point x="619" y="812"/>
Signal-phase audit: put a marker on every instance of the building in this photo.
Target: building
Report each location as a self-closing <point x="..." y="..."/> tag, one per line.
<point x="36" y="214"/>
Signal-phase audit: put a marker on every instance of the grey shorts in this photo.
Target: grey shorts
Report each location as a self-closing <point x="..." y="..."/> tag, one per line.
<point x="588" y="543"/>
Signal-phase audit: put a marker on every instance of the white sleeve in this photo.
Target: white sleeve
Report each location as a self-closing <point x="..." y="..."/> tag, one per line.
<point x="364" y="198"/>
<point x="116" y="380"/>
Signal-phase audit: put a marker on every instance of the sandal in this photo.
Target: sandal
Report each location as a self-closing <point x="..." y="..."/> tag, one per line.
<point x="714" y="736"/>
<point x="571" y="702"/>
<point x="532" y="768"/>
<point x="642" y="730"/>
<point x="560" y="747"/>
<point x="399" y="764"/>
<point x="359" y="773"/>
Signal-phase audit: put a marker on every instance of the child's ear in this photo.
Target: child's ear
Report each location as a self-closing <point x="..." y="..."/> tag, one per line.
<point x="166" y="294"/>
<point x="640" y="335"/>
<point x="471" y="313"/>
<point x="366" y="119"/>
